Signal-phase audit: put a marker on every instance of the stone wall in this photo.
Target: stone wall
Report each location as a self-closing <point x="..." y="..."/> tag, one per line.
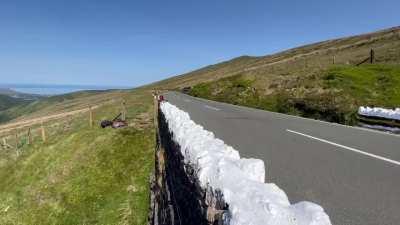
<point x="176" y="195"/>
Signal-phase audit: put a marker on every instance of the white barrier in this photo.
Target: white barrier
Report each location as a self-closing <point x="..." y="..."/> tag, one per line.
<point x="251" y="201"/>
<point x="380" y="112"/>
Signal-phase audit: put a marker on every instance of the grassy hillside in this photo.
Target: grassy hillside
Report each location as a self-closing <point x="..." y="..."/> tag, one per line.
<point x="12" y="93"/>
<point x="318" y="80"/>
<point x="301" y="61"/>
<point x="7" y="102"/>
<point x="58" y="103"/>
<point x="334" y="95"/>
<point x="81" y="175"/>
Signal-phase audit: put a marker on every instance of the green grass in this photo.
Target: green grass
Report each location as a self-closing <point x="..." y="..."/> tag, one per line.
<point x="236" y="90"/>
<point x="370" y="84"/>
<point x="82" y="175"/>
<point x="332" y="95"/>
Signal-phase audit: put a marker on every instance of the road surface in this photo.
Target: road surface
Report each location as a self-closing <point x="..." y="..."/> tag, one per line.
<point x="353" y="173"/>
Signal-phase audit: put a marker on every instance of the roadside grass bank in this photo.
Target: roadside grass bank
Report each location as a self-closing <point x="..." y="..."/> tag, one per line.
<point x="332" y="95"/>
<point x="83" y="175"/>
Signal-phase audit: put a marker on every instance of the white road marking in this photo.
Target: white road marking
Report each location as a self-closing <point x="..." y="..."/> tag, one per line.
<point x="210" y="107"/>
<point x="187" y="100"/>
<point x="348" y="148"/>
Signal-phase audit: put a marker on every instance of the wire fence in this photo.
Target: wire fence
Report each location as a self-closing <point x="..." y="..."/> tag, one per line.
<point x="42" y="129"/>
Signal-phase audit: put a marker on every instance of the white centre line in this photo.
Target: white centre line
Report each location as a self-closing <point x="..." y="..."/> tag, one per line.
<point x="210" y="107"/>
<point x="346" y="147"/>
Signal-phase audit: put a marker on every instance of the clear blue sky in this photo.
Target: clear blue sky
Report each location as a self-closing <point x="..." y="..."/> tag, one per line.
<point x="135" y="42"/>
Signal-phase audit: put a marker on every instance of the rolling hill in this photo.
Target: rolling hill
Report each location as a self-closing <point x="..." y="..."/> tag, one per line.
<point x="318" y="80"/>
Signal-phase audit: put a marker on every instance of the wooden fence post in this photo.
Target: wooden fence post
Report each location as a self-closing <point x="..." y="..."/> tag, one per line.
<point x="123" y="113"/>
<point x="90" y="116"/>
<point x="43" y="133"/>
<point x="5" y="142"/>
<point x="155" y="110"/>
<point x="372" y="56"/>
<point x="16" y="143"/>
<point x="334" y="59"/>
<point x="29" y="136"/>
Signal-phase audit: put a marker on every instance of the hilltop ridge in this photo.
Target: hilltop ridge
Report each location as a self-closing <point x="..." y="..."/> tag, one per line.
<point x="347" y="50"/>
<point x="319" y="80"/>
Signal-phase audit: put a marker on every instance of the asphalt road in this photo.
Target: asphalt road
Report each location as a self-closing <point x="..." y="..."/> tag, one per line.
<point x="353" y="173"/>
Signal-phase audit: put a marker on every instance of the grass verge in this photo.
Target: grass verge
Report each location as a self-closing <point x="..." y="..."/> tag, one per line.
<point x="333" y="95"/>
<point x="83" y="175"/>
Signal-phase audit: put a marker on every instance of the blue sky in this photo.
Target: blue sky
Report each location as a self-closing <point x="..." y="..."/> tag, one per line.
<point x="130" y="43"/>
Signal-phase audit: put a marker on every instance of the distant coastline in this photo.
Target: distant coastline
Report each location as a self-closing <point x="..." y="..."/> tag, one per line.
<point x="54" y="89"/>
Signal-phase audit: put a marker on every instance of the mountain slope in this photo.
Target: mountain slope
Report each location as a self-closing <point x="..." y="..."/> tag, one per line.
<point x="319" y="80"/>
<point x="301" y="60"/>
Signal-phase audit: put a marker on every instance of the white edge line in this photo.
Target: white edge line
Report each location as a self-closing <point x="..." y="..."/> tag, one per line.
<point x="210" y="107"/>
<point x="348" y="148"/>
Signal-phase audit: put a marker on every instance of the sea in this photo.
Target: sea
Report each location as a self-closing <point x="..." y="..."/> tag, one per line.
<point x="50" y="90"/>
